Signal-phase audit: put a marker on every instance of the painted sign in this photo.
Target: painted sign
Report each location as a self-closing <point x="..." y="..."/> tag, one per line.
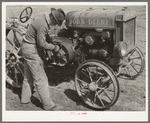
<point x="104" y="22"/>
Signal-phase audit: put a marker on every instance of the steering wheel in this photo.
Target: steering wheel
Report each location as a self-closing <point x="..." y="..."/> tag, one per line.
<point x="25" y="14"/>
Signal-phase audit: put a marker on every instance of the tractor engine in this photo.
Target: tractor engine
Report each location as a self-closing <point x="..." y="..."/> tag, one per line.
<point x="95" y="43"/>
<point x="103" y="34"/>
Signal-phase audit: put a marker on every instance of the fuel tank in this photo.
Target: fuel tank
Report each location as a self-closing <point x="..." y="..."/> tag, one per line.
<point x="98" y="18"/>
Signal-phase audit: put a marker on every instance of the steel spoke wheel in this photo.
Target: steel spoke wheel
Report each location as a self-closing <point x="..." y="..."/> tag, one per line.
<point x="96" y="84"/>
<point x="133" y="64"/>
<point x="25" y="14"/>
<point x="14" y="75"/>
<point x="14" y="61"/>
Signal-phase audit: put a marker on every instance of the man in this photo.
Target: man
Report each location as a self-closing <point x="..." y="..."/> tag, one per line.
<point x="36" y="36"/>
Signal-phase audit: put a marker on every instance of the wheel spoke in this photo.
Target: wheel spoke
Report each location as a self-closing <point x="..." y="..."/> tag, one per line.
<point x="83" y="87"/>
<point x="107" y="96"/>
<point x="110" y="83"/>
<point x="89" y="74"/>
<point x="134" y="68"/>
<point x="7" y="69"/>
<point x="84" y="91"/>
<point x="86" y="96"/>
<point x="131" y="53"/>
<point x="84" y="73"/>
<point x="137" y="64"/>
<point x="82" y="81"/>
<point x="100" y="91"/>
<point x="95" y="98"/>
<point x="135" y="58"/>
<point x="20" y="70"/>
<point x="16" y="78"/>
<point x="98" y="79"/>
<point x="104" y="89"/>
<point x="100" y="99"/>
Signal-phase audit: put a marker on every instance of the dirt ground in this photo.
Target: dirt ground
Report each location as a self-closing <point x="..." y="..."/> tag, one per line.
<point x="62" y="91"/>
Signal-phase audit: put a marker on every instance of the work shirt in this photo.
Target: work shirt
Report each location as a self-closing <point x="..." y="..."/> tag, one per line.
<point x="37" y="33"/>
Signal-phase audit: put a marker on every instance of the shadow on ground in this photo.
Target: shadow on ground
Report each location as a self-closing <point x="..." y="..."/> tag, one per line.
<point x="57" y="75"/>
<point x="72" y="94"/>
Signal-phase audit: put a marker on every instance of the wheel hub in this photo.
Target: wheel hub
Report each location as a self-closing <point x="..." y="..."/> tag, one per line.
<point x="12" y="60"/>
<point x="93" y="86"/>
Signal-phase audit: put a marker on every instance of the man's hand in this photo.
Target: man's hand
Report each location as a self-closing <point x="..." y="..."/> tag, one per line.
<point x="56" y="41"/>
<point x="56" y="49"/>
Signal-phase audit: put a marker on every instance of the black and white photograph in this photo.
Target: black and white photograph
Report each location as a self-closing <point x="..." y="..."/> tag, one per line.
<point x="74" y="61"/>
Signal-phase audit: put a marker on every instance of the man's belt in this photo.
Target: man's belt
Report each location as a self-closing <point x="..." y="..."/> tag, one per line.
<point x="27" y="41"/>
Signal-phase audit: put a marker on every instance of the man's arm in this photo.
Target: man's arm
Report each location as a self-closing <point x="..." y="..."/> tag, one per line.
<point x="41" y="39"/>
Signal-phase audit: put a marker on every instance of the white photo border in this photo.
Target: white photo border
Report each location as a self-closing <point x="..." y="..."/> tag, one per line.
<point x="41" y="116"/>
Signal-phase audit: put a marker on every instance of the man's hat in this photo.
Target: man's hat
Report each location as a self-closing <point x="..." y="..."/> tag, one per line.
<point x="58" y="15"/>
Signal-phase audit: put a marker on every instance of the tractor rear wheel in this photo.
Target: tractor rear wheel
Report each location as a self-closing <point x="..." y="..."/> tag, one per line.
<point x="14" y="61"/>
